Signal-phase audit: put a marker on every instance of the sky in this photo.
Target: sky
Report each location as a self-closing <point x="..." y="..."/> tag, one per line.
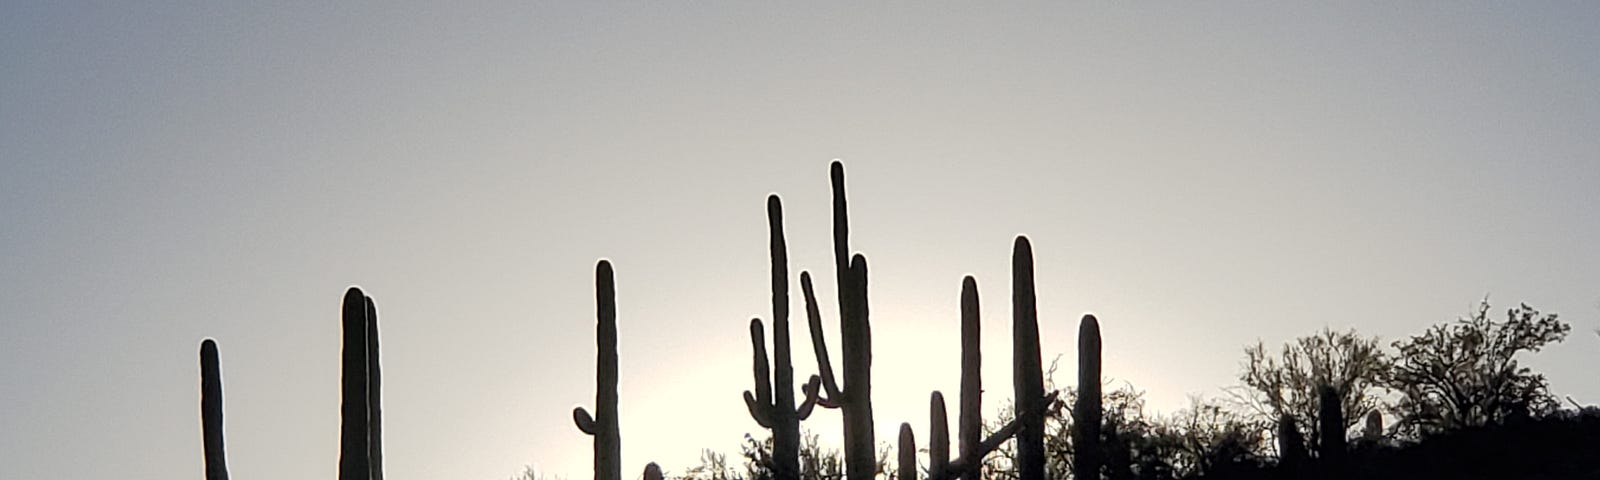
<point x="1200" y="176"/>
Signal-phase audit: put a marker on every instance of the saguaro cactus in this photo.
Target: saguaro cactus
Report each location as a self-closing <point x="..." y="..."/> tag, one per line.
<point x="938" y="433"/>
<point x="971" y="417"/>
<point x="855" y="397"/>
<point x="970" y="463"/>
<point x="1330" y="424"/>
<point x="603" y="424"/>
<point x="907" y="454"/>
<point x="211" y="411"/>
<point x="772" y="405"/>
<point x="1086" y="413"/>
<point x="1027" y="373"/>
<point x="355" y="434"/>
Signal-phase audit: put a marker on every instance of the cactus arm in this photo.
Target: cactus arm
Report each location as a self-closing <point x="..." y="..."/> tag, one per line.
<point x="758" y="343"/>
<point x="830" y="394"/>
<point x="810" y="402"/>
<point x="584" y="421"/>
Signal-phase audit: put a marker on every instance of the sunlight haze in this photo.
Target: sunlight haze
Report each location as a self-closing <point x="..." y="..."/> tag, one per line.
<point x="1199" y="176"/>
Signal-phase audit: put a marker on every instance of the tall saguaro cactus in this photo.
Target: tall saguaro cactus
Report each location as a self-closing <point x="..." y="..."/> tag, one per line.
<point x="355" y="462"/>
<point x="603" y="424"/>
<point x="969" y="464"/>
<point x="855" y="397"/>
<point x="1027" y="373"/>
<point x="1086" y="413"/>
<point x="772" y="405"/>
<point x="211" y="411"/>
<point x="971" y="417"/>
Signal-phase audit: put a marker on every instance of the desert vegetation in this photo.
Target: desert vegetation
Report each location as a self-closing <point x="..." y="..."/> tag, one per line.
<point x="1450" y="402"/>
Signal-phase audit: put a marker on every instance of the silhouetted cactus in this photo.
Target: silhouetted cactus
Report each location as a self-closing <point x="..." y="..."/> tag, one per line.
<point x="938" y="434"/>
<point x="1330" y="425"/>
<point x="772" y="405"/>
<point x="374" y="399"/>
<point x="855" y="397"/>
<point x="1086" y="413"/>
<point x="970" y="462"/>
<point x="211" y="411"/>
<point x="907" y="453"/>
<point x="603" y="424"/>
<point x="971" y="416"/>
<point x="1027" y="373"/>
<point x="653" y="472"/>
<point x="355" y="451"/>
<point x="1291" y="445"/>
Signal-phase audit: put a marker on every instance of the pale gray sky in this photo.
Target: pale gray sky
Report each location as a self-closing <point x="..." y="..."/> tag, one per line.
<point x="1199" y="175"/>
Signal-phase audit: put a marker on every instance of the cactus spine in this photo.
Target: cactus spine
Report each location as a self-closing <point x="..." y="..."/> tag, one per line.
<point x="855" y="397"/>
<point x="355" y="462"/>
<point x="971" y="417"/>
<point x="1086" y="412"/>
<point x="211" y="411"/>
<point x="603" y="424"/>
<point x="772" y="405"/>
<point x="1027" y="373"/>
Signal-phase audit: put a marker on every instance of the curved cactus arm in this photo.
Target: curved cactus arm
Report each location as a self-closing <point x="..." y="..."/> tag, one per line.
<point x="584" y="421"/>
<point x="806" y="406"/>
<point x="761" y="412"/>
<point x="758" y="342"/>
<point x="829" y="397"/>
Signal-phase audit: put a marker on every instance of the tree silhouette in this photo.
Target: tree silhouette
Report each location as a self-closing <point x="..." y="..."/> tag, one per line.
<point x="1465" y="373"/>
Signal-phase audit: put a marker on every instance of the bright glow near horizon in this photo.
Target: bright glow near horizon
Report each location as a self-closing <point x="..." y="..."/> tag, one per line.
<point x="1200" y="176"/>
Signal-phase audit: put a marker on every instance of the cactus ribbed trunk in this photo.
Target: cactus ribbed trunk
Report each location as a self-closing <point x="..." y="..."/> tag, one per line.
<point x="1086" y="413"/>
<point x="970" y="419"/>
<point x="374" y="399"/>
<point x="603" y="424"/>
<point x="354" y="444"/>
<point x="1027" y="373"/>
<point x="211" y="411"/>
